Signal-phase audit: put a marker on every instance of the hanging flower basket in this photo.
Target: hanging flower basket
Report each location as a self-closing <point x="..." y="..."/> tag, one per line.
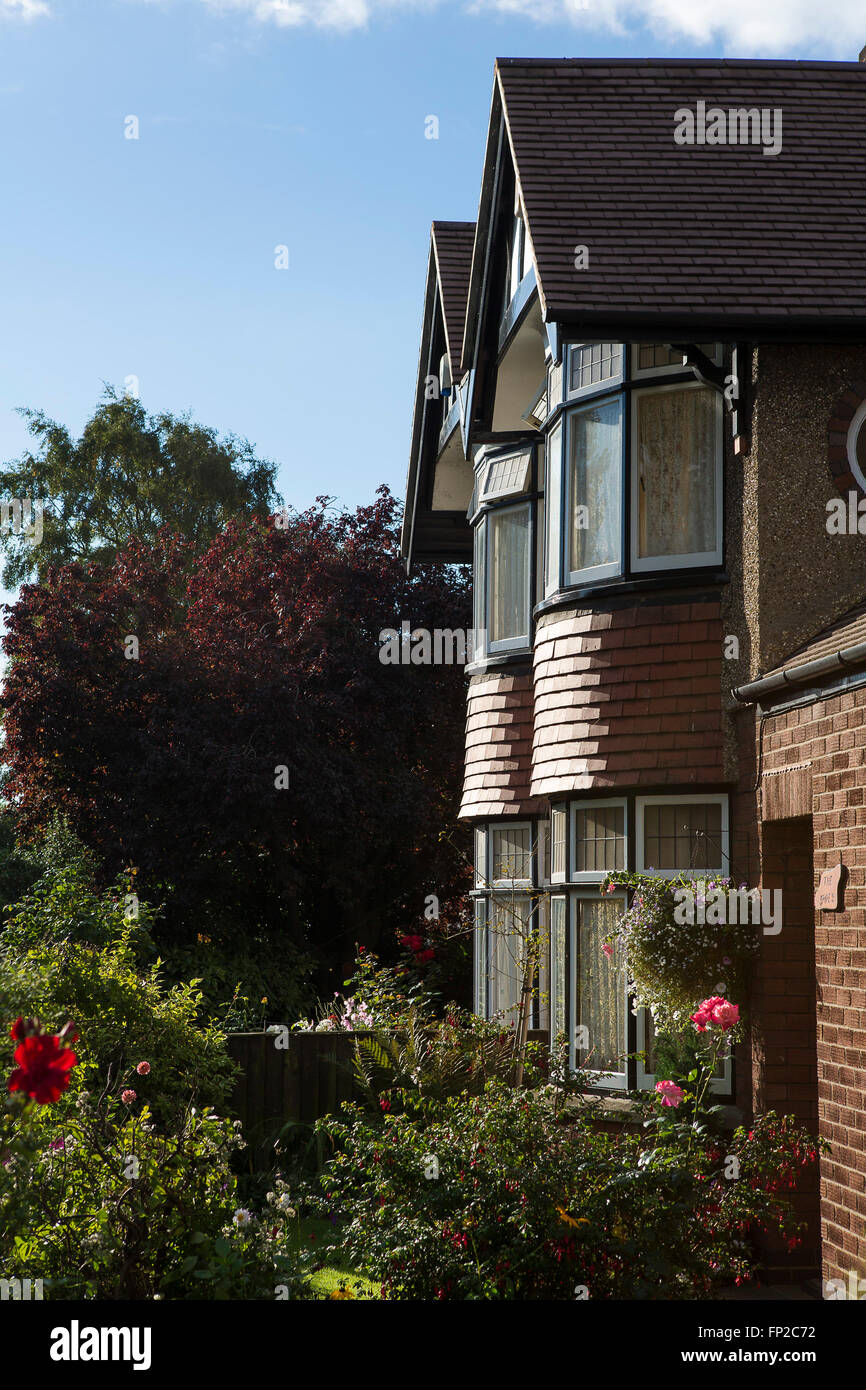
<point x="680" y="943"/>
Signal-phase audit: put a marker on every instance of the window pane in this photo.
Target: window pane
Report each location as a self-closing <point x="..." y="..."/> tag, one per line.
<point x="648" y="356"/>
<point x="601" y="986"/>
<point x="688" y="836"/>
<point x="507" y="475"/>
<point x="553" y="500"/>
<point x="557" y="966"/>
<point x="558" y="831"/>
<point x="676" y="472"/>
<point x="599" y="839"/>
<point x="593" y="363"/>
<point x="595" y="468"/>
<point x="480" y="858"/>
<point x="541" y="1007"/>
<point x="479" y="580"/>
<point x="511" y="851"/>
<point x="554" y="389"/>
<point x="481" y="957"/>
<point x="506" y="946"/>
<point x="509" y="574"/>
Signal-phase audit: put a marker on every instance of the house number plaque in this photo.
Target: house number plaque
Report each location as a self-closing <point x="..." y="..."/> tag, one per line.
<point x="828" y="896"/>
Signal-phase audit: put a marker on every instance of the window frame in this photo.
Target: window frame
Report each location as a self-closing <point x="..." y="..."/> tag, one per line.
<point x="694" y="559"/>
<point x="685" y="799"/>
<point x="610" y="384"/>
<point x="590" y="876"/>
<point x="637" y="373"/>
<point x="611" y="568"/>
<point x="493" y="828"/>
<point x="609" y="1080"/>
<point x="555" y="876"/>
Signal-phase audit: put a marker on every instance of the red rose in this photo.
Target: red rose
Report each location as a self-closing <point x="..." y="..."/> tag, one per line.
<point x="426" y="955"/>
<point x="43" y="1068"/>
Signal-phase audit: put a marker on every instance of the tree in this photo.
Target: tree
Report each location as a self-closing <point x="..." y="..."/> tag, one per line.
<point x="129" y="475"/>
<point x="256" y="761"/>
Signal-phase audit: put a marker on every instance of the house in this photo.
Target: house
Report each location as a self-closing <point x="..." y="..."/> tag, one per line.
<point x="656" y="457"/>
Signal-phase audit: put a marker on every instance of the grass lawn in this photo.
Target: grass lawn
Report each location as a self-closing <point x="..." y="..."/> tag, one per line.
<point x="338" y="1274"/>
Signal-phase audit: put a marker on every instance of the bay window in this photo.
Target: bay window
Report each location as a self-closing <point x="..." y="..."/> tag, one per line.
<point x="634" y="465"/>
<point x="551" y="904"/>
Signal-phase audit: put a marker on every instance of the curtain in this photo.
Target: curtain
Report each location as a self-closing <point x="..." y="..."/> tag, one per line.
<point x="509" y="608"/>
<point x="601" y="985"/>
<point x="557" y="967"/>
<point x="676" y="468"/>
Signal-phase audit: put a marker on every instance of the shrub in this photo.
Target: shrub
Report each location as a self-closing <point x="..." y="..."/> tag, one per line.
<point x="99" y="1203"/>
<point x="69" y="952"/>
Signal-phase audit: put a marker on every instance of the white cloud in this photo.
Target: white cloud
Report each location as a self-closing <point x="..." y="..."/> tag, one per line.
<point x="742" y="28"/>
<point x="23" y="9"/>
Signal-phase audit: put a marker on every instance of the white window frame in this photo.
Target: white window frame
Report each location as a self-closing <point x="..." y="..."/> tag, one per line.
<point x="553" y="510"/>
<point x="481" y="866"/>
<point x="637" y="373"/>
<point x="611" y="568"/>
<point x="497" y="884"/>
<point x="517" y="489"/>
<point x="506" y="644"/>
<point x="646" y="1081"/>
<point x="555" y="899"/>
<point x="559" y="877"/>
<point x="695" y="799"/>
<point x="585" y="804"/>
<point x="479" y="958"/>
<point x="479" y="592"/>
<point x="642" y="564"/>
<point x="607" y="1081"/>
<point x="595" y="388"/>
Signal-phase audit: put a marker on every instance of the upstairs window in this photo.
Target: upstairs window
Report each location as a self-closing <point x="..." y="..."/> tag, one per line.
<point x="503" y="577"/>
<point x="634" y="478"/>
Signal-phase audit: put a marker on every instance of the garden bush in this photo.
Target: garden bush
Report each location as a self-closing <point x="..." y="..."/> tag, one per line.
<point x="68" y="951"/>
<point x="98" y="1201"/>
<point x="443" y="1191"/>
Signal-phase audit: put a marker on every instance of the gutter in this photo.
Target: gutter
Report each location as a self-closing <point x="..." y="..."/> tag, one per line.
<point x="845" y="658"/>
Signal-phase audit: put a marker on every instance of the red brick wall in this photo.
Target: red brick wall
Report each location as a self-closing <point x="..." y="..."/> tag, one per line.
<point x="626" y="698"/>
<point x="830" y="735"/>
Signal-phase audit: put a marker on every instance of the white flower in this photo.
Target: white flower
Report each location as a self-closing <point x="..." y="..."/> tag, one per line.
<point x="242" y="1217"/>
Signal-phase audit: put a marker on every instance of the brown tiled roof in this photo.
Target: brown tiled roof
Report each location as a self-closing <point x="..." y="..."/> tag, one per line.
<point x="719" y="234"/>
<point x="452" y="247"/>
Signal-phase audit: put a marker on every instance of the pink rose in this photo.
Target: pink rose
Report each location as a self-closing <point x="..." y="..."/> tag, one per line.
<point x="716" y="1012"/>
<point x="128" y="1097"/>
<point x="670" y="1093"/>
<point x="608" y="949"/>
<point x="726" y="1015"/>
<point x="143" y="1068"/>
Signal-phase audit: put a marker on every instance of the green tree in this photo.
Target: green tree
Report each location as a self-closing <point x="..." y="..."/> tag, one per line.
<point x="129" y="474"/>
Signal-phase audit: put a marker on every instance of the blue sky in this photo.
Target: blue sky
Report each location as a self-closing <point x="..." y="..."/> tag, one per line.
<point x="265" y="123"/>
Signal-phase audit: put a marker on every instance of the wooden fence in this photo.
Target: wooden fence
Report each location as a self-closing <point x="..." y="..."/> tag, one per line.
<point x="296" y="1084"/>
<point x="309" y="1078"/>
